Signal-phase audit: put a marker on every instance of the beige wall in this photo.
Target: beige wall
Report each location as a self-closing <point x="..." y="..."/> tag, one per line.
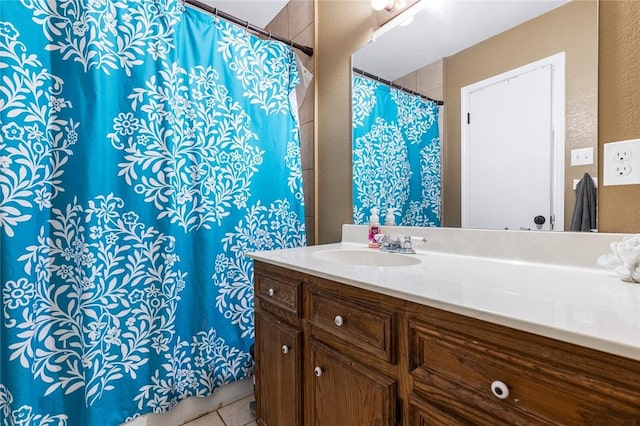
<point x="342" y="28"/>
<point x="619" y="106"/>
<point x="571" y="28"/>
<point x="296" y="22"/>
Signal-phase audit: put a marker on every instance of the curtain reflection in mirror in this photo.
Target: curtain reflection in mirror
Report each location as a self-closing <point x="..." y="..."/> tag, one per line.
<point x="396" y="155"/>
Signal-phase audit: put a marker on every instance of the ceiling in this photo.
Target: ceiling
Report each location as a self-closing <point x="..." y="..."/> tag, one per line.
<point x="257" y="12"/>
<point x="443" y="28"/>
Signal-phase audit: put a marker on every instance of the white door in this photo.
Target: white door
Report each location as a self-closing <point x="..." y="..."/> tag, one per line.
<point x="509" y="171"/>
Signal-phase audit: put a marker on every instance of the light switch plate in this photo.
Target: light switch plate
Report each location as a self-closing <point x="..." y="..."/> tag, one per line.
<point x="581" y="156"/>
<point x="622" y="163"/>
<point x="575" y="182"/>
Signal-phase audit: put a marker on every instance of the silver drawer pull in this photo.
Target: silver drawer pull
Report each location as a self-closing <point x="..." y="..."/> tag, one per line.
<point x="285" y="349"/>
<point x="338" y="320"/>
<point x="500" y="390"/>
<point x="317" y="371"/>
<point x="271" y="292"/>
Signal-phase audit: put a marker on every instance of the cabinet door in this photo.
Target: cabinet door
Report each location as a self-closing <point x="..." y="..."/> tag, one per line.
<point x="346" y="393"/>
<point x="278" y="354"/>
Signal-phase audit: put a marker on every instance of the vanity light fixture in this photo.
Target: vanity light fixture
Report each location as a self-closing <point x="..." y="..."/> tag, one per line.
<point x="403" y="18"/>
<point x="387" y="5"/>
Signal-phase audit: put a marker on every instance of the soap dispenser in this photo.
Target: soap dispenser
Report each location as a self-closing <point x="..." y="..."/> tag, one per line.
<point x="390" y="218"/>
<point x="374" y="227"/>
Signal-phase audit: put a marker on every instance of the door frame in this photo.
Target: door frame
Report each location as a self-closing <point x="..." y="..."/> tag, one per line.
<point x="557" y="63"/>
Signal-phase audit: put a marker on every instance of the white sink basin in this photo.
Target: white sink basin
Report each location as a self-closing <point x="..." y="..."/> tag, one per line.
<point x="366" y="258"/>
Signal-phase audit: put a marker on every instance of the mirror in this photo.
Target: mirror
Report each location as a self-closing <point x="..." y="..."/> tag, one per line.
<point x="464" y="42"/>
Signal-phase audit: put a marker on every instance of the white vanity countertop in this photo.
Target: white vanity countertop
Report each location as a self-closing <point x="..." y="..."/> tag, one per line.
<point x="590" y="307"/>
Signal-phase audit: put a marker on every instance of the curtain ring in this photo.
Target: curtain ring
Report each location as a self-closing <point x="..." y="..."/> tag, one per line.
<point x="246" y="25"/>
<point x="270" y="37"/>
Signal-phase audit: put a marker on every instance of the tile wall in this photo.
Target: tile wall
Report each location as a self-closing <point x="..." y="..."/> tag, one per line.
<point x="296" y="22"/>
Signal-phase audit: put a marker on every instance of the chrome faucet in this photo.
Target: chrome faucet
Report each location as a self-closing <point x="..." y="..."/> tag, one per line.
<point x="403" y="246"/>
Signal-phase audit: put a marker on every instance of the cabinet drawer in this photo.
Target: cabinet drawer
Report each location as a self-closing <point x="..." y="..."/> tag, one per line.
<point x="422" y="413"/>
<point x="511" y="382"/>
<point x="342" y="322"/>
<point x="279" y="291"/>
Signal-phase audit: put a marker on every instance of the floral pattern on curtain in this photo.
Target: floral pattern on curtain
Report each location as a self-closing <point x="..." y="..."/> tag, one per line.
<point x="396" y="155"/>
<point x="145" y="149"/>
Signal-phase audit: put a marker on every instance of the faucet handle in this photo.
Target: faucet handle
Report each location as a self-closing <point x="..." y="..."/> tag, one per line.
<point x="382" y="238"/>
<point x="415" y="239"/>
<point x="407" y="243"/>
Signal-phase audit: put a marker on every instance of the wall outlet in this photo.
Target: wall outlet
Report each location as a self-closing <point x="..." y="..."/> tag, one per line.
<point x="622" y="163"/>
<point x="623" y="170"/>
<point x="622" y="155"/>
<point x="582" y="156"/>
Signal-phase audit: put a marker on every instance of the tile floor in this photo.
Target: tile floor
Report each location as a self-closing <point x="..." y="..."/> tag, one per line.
<point x="234" y="414"/>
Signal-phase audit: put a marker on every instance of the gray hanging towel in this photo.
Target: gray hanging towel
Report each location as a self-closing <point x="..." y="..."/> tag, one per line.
<point x="584" y="213"/>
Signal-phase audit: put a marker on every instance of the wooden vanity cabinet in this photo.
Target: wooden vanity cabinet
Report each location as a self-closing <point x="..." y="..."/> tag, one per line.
<point x="362" y="358"/>
<point x="347" y="375"/>
<point x="278" y="346"/>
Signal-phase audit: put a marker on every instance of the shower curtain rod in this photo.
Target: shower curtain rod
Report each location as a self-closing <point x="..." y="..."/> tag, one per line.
<point x="250" y="27"/>
<point x="395" y="86"/>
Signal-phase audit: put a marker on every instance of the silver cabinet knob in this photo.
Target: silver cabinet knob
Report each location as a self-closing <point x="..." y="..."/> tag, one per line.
<point x="317" y="371"/>
<point x="285" y="349"/>
<point x="338" y="320"/>
<point x="500" y="389"/>
<point x="271" y="292"/>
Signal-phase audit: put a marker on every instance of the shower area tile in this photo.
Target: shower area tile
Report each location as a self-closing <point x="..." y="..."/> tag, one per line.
<point x="234" y="414"/>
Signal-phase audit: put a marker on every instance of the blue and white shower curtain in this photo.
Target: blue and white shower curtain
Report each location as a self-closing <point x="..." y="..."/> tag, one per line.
<point x="396" y="155"/>
<point x="145" y="148"/>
